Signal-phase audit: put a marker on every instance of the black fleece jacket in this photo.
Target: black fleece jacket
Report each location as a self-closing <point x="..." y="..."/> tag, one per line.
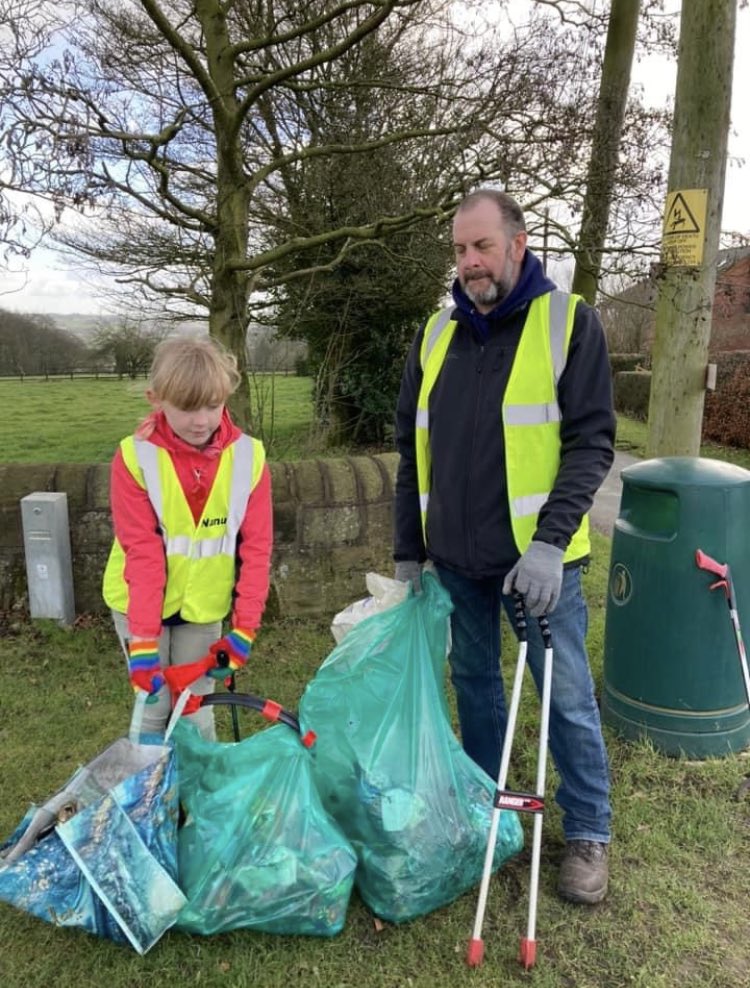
<point x="468" y="521"/>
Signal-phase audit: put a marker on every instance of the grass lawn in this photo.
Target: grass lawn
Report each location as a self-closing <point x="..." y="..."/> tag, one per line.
<point x="82" y="420"/>
<point x="676" y="914"/>
<point x="632" y="435"/>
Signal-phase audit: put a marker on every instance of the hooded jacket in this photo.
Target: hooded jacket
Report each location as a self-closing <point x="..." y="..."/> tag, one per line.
<point x="135" y="526"/>
<point x="468" y="520"/>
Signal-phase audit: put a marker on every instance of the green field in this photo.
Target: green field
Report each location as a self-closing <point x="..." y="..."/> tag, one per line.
<point x="676" y="914"/>
<point x="82" y="420"/>
<point x="632" y="434"/>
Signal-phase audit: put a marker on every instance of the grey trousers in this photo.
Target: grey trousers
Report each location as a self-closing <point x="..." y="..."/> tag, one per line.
<point x="179" y="644"/>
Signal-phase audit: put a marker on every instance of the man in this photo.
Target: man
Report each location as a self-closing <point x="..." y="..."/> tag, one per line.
<point x="505" y="429"/>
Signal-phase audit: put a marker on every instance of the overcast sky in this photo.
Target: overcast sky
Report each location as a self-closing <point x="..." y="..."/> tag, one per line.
<point x="49" y="287"/>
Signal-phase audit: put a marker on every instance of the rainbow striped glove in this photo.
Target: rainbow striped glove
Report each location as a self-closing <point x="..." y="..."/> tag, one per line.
<point x="237" y="646"/>
<point x="144" y="668"/>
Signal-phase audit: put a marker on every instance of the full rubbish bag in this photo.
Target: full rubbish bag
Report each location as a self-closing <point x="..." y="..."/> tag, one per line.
<point x="257" y="850"/>
<point x="101" y="853"/>
<point x="383" y="592"/>
<point x="389" y="768"/>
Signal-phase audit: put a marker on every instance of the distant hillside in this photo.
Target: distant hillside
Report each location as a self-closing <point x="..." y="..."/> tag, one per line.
<point x="85" y="326"/>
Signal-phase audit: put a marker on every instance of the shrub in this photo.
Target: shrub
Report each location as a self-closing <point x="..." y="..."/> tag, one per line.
<point x="629" y="362"/>
<point x="631" y="393"/>
<point x="726" y="414"/>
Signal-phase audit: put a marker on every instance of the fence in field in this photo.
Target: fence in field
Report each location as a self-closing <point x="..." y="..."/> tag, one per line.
<point x="103" y="374"/>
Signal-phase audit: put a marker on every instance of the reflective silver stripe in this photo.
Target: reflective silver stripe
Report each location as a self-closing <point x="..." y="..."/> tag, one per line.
<point x="423" y="501"/>
<point x="183" y="545"/>
<point x="147" y="454"/>
<point x="423" y="418"/>
<point x="531" y="414"/>
<point x="241" y="486"/>
<point x="444" y="317"/>
<point x="558" y="320"/>
<point x="178" y="545"/>
<point x="530" y="504"/>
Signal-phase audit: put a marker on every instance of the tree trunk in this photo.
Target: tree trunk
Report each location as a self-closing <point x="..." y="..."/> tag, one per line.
<point x="696" y="187"/>
<point x="228" y="308"/>
<point x="610" y="113"/>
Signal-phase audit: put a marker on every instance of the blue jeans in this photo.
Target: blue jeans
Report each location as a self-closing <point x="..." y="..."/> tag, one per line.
<point x="575" y="735"/>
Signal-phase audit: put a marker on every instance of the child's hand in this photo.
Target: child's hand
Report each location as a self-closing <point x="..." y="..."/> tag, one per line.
<point x="237" y="646"/>
<point x="144" y="667"/>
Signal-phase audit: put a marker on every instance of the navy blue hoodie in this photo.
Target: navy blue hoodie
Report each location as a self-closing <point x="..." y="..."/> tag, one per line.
<point x="468" y="521"/>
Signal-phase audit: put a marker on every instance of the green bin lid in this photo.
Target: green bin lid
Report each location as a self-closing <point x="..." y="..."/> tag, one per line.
<point x="684" y="471"/>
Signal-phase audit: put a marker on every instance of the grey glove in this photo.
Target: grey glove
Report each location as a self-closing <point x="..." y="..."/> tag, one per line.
<point x="537" y="576"/>
<point x="409" y="570"/>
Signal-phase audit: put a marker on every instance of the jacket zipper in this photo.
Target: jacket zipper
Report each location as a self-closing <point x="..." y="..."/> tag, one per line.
<point x="470" y="534"/>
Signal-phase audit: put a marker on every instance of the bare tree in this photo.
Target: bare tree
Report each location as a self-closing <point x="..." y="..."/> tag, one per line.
<point x="610" y="114"/>
<point x="24" y="34"/>
<point x="129" y="345"/>
<point x="35" y="345"/>
<point x="183" y="134"/>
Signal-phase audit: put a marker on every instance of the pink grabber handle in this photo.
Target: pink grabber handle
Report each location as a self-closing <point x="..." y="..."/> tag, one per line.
<point x="718" y="569"/>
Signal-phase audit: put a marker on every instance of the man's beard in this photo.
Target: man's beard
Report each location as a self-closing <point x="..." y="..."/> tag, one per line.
<point x="495" y="292"/>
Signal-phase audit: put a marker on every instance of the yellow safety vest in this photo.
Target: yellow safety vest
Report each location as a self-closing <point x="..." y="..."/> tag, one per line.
<point x="201" y="558"/>
<point x="530" y="413"/>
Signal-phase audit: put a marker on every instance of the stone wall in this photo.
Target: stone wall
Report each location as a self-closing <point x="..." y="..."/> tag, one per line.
<point x="332" y="521"/>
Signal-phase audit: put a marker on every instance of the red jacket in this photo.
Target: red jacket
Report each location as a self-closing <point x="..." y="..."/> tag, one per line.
<point x="135" y="526"/>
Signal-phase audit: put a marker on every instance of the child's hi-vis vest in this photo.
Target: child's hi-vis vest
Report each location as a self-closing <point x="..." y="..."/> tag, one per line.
<point x="530" y="413"/>
<point x="200" y="559"/>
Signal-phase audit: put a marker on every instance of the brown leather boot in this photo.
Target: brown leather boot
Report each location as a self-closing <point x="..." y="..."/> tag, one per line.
<point x="584" y="872"/>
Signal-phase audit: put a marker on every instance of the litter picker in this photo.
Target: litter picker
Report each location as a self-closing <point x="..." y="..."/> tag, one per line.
<point x="522" y="802"/>
<point x="725" y="583"/>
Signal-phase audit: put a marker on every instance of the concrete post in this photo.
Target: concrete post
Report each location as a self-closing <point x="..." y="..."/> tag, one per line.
<point x="49" y="572"/>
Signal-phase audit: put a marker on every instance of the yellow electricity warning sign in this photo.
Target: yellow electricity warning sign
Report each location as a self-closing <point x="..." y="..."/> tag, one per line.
<point x="684" y="228"/>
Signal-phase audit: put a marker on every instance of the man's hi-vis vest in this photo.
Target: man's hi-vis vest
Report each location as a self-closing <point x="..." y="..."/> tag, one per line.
<point x="200" y="558"/>
<point x="530" y="413"/>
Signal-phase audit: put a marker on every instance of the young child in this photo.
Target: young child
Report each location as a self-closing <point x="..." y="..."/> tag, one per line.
<point x="193" y="524"/>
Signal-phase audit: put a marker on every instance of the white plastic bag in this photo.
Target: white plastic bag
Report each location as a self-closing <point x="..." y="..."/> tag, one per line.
<point x="384" y="592"/>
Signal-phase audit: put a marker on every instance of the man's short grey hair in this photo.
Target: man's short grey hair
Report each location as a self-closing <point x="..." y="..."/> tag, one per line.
<point x="511" y="212"/>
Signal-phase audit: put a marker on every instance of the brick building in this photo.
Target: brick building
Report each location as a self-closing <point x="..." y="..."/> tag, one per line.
<point x="629" y="318"/>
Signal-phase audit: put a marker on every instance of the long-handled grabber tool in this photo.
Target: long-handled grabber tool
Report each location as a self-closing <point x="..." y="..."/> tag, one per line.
<point x="724" y="583"/>
<point x="522" y="802"/>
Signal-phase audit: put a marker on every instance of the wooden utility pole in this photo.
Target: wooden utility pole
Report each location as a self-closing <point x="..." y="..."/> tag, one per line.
<point x="605" y="147"/>
<point x="692" y="218"/>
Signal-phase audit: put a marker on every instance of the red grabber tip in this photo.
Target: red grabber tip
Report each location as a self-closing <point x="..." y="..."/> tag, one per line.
<point x="527" y="952"/>
<point x="475" y="953"/>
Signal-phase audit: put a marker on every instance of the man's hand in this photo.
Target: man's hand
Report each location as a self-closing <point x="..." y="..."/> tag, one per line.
<point x="409" y="571"/>
<point x="537" y="576"/>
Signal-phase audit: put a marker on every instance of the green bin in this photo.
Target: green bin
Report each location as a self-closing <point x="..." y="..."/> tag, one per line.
<point x="672" y="671"/>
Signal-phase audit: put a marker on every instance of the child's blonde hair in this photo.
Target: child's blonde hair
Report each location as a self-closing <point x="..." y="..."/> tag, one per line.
<point x="193" y="371"/>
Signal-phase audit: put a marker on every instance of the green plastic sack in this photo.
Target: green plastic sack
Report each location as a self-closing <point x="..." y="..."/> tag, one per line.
<point x="257" y="849"/>
<point x="389" y="768"/>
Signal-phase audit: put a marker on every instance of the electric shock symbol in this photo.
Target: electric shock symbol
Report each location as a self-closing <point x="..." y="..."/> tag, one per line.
<point x="679" y="218"/>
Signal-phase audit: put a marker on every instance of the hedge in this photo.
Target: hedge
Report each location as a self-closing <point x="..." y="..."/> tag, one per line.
<point x="726" y="414"/>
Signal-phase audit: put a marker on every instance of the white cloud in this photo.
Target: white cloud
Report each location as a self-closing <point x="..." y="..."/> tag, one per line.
<point x="48" y="286"/>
